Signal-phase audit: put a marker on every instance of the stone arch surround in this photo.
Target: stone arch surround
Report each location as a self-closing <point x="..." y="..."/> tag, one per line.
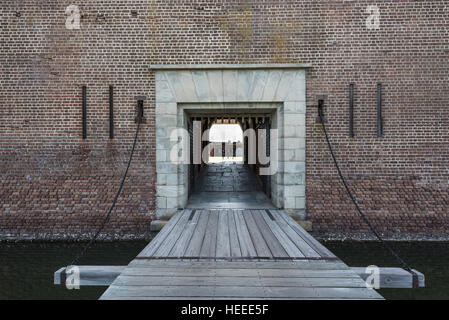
<point x="179" y="87"/>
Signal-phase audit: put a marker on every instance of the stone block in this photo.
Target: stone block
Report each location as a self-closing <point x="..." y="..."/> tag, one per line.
<point x="259" y="81"/>
<point x="161" y="155"/>
<point x="294" y="191"/>
<point x="294" y="107"/>
<point x="294" y="178"/>
<point x="172" y="179"/>
<point x="170" y="108"/>
<point x="300" y="155"/>
<point x="167" y="191"/>
<point x="294" y="143"/>
<point x="157" y="225"/>
<point x="294" y="167"/>
<point x="215" y="81"/>
<point x="172" y="203"/>
<point x="294" y="119"/>
<point x="274" y="76"/>
<point x="289" y="202"/>
<point x="165" y="214"/>
<point x="201" y="85"/>
<point x="167" y="120"/>
<point x="161" y="202"/>
<point x="300" y="202"/>
<point x="161" y="179"/>
<point x="166" y="167"/>
<point x="230" y="85"/>
<point x="164" y="92"/>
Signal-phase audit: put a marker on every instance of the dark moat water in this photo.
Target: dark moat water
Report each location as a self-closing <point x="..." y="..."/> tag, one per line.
<point x="431" y="258"/>
<point x="26" y="269"/>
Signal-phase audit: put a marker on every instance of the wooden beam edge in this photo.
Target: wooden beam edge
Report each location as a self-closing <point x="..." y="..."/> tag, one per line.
<point x="105" y="276"/>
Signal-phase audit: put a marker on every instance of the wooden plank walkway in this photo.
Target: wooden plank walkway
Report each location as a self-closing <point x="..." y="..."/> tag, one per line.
<point x="236" y="254"/>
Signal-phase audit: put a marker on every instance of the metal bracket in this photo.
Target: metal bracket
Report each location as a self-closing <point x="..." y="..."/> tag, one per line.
<point x="140" y="110"/>
<point x="320" y="110"/>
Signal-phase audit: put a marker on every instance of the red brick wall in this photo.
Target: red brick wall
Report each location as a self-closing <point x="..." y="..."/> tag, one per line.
<point x="53" y="182"/>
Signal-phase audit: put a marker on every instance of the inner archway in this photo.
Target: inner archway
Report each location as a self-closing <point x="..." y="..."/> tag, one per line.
<point x="230" y="136"/>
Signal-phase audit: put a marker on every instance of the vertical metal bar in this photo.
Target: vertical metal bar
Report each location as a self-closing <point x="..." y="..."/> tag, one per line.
<point x="111" y="112"/>
<point x="268" y="142"/>
<point x="379" y="111"/>
<point x="84" y="112"/>
<point x="351" y="111"/>
<point x="223" y="149"/>
<point x="191" y="168"/>
<point x="140" y="111"/>
<point x="321" y="108"/>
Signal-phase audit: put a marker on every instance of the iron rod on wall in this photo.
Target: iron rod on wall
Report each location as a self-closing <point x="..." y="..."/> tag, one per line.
<point x="379" y="111"/>
<point x="84" y="112"/>
<point x="351" y="111"/>
<point x="111" y="112"/>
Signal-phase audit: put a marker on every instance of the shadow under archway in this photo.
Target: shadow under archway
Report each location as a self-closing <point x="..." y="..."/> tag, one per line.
<point x="228" y="185"/>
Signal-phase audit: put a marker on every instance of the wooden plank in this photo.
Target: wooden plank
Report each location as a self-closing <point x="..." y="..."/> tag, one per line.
<point x="311" y="241"/>
<point x="159" y="239"/>
<point x="240" y="292"/>
<point x="289" y="246"/>
<point x="233" y="237"/>
<point x="392" y="277"/>
<point x="272" y="242"/>
<point x="302" y="245"/>
<point x="284" y="264"/>
<point x="221" y="298"/>
<point x="262" y="248"/>
<point x="347" y="293"/>
<point x="92" y="275"/>
<point x="269" y="263"/>
<point x="209" y="244"/>
<point x="105" y="275"/>
<point x="172" y="238"/>
<point x="246" y="243"/>
<point x="184" y="298"/>
<point x="389" y="277"/>
<point x="181" y="246"/>
<point x="57" y="277"/>
<point x="223" y="241"/>
<point x="149" y="291"/>
<point x="194" y="247"/>
<point x="298" y="293"/>
<point x="208" y="272"/>
<point x="126" y="280"/>
<point x="313" y="282"/>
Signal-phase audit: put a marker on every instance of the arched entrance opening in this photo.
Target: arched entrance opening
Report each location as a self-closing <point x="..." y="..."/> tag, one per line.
<point x="230" y="136"/>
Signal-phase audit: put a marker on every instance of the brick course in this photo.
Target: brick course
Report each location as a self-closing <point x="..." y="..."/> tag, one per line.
<point x="54" y="182"/>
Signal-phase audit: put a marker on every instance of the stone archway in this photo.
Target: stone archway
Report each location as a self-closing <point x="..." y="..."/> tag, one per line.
<point x="278" y="86"/>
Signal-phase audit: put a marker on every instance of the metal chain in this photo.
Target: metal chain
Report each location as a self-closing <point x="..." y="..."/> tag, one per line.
<point x="106" y="219"/>
<point x="403" y="264"/>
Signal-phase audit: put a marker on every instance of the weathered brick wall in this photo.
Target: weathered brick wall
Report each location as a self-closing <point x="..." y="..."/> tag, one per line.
<point x="54" y="182"/>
